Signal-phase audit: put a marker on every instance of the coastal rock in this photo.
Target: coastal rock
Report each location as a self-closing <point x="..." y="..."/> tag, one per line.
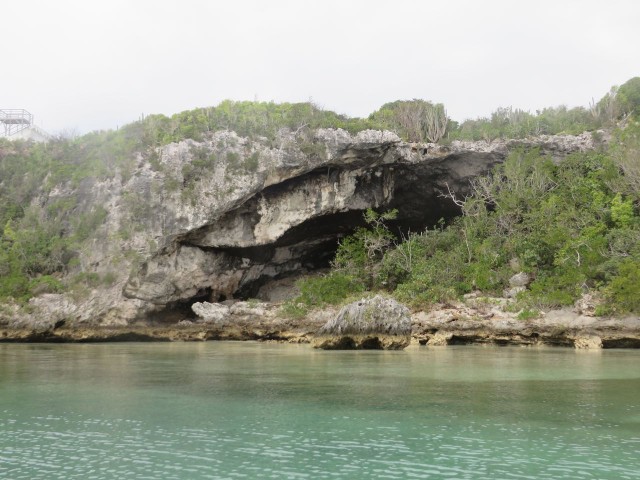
<point x="374" y="323"/>
<point x="517" y="283"/>
<point x="587" y="304"/>
<point x="249" y="308"/>
<point x="589" y="342"/>
<point x="243" y="229"/>
<point x="211" y="312"/>
<point x="513" y="291"/>
<point x="52" y="309"/>
<point x="440" y="339"/>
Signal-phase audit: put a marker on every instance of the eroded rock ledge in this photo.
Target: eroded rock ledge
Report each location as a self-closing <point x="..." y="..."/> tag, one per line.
<point x="488" y="324"/>
<point x="445" y="326"/>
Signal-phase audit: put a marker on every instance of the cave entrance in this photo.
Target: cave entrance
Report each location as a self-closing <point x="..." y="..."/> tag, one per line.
<point x="306" y="248"/>
<point x="177" y="311"/>
<point x="268" y="271"/>
<point x="311" y="246"/>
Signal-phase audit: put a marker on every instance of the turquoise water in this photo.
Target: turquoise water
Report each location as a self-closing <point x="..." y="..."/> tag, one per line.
<point x="245" y="410"/>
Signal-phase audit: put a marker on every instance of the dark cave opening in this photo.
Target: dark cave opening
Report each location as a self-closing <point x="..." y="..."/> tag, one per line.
<point x="175" y="312"/>
<point x="312" y="245"/>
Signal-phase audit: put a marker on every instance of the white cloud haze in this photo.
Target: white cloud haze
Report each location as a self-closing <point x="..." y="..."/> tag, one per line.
<point x="87" y="65"/>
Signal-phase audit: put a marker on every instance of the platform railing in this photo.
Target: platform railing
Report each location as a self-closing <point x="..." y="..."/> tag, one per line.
<point x="15" y="120"/>
<point x="15" y="116"/>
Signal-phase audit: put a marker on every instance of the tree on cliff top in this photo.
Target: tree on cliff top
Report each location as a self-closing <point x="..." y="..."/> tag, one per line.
<point x="414" y="120"/>
<point x="628" y="97"/>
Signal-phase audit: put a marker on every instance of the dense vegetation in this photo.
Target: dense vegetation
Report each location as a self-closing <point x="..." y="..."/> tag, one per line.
<point x="508" y="122"/>
<point x="43" y="229"/>
<point x="574" y="226"/>
<point x="413" y="120"/>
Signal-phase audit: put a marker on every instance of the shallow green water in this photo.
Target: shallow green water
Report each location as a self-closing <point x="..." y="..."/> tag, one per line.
<point x="246" y="410"/>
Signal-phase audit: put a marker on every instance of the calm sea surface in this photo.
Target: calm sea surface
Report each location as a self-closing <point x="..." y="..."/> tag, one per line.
<point x="247" y="410"/>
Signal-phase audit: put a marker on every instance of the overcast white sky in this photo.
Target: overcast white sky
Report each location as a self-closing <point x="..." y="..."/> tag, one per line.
<point x="86" y="65"/>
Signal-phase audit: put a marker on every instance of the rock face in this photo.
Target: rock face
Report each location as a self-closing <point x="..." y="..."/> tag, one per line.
<point x="517" y="283"/>
<point x="227" y="217"/>
<point x="220" y="314"/>
<point x="288" y="216"/>
<point x="211" y="312"/>
<point x="486" y="320"/>
<point x="590" y="342"/>
<point x="375" y="323"/>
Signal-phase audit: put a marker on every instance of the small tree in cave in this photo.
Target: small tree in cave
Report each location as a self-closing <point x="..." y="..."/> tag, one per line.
<point x="359" y="254"/>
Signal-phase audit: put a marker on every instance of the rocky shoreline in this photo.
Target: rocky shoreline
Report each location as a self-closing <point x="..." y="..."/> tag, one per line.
<point x="463" y="323"/>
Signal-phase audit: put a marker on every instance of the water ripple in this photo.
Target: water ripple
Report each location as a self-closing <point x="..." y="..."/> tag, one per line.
<point x="175" y="414"/>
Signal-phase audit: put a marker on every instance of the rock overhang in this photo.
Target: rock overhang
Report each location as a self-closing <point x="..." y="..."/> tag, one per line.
<point x="293" y="228"/>
<point x="292" y="223"/>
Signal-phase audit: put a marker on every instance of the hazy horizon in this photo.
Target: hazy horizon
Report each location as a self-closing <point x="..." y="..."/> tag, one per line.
<point x="98" y="65"/>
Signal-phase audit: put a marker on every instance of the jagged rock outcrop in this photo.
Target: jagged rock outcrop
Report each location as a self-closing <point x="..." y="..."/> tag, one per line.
<point x="373" y="323"/>
<point x="221" y="314"/>
<point x="517" y="283"/>
<point x="211" y="312"/>
<point x="487" y="320"/>
<point x="222" y="218"/>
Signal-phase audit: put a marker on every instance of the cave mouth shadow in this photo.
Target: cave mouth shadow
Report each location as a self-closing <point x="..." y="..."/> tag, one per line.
<point x="180" y="310"/>
<point x="312" y="246"/>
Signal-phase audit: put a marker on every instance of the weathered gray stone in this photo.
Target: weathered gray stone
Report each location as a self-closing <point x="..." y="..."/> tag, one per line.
<point x="513" y="291"/>
<point x="251" y="309"/>
<point x="588" y="342"/>
<point x="588" y="303"/>
<point x="211" y="312"/>
<point x="521" y="279"/>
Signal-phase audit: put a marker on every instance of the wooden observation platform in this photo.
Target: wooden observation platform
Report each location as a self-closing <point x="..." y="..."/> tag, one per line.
<point x="15" y="120"/>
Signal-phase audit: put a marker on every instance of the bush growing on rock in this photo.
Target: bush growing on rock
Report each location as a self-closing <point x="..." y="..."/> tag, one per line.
<point x="623" y="290"/>
<point x="322" y="290"/>
<point x="555" y="219"/>
<point x="414" y="120"/>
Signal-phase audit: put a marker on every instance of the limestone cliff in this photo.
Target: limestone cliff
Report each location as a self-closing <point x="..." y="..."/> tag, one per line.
<point x="222" y="218"/>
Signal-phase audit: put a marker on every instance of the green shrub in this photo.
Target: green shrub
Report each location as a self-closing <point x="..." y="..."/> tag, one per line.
<point x="234" y="162"/>
<point x="528" y="314"/>
<point x="45" y="284"/>
<point x="623" y="290"/>
<point x="327" y="289"/>
<point x="556" y="288"/>
<point x="89" y="279"/>
<point x="628" y="97"/>
<point x="252" y="162"/>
